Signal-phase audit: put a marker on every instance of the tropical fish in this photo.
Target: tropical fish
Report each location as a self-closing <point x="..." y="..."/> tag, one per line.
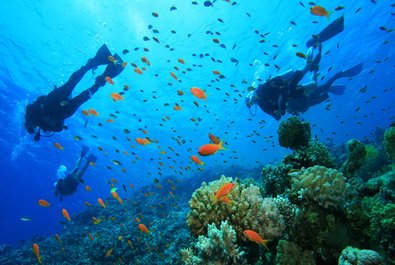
<point x="155" y="14"/>
<point x="58" y="146"/>
<point x="43" y="203"/>
<point x="108" y="252"/>
<point x="142" y="141"/>
<point x="112" y="59"/>
<point x="77" y="138"/>
<point x="214" y="138"/>
<point x="87" y="203"/>
<point x="95" y="220"/>
<point x="320" y="11"/>
<point x="173" y="75"/>
<point x="197" y="160"/>
<point x="100" y="201"/>
<point x="177" y="107"/>
<point x="181" y="61"/>
<point x="26" y="219"/>
<point x="66" y="214"/>
<point x="88" y="188"/>
<point x="116" y="96"/>
<point x="255" y="237"/>
<point x="144" y="229"/>
<point x="93" y="112"/>
<point x="223" y="192"/>
<point x="197" y="92"/>
<point x="216" y="72"/>
<point x="90" y="236"/>
<point x="301" y="55"/>
<point x="210" y="149"/>
<point x="294" y="172"/>
<point x="36" y="251"/>
<point x="137" y="70"/>
<point x="58" y="239"/>
<point x="180" y="92"/>
<point x="109" y="80"/>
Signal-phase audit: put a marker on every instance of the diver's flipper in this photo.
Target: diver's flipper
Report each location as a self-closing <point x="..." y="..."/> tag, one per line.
<point x="353" y="71"/>
<point x="91" y="158"/>
<point x="101" y="57"/>
<point x="337" y="89"/>
<point x="84" y="150"/>
<point x="113" y="70"/>
<point x="330" y="31"/>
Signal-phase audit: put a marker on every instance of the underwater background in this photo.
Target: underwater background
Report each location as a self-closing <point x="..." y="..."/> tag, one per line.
<point x="43" y="42"/>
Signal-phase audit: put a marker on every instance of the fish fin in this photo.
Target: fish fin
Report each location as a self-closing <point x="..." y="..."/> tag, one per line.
<point x="329" y="15"/>
<point x="265" y="242"/>
<point x="214" y="200"/>
<point x="337" y="90"/>
<point x="221" y="145"/>
<point x="226" y="200"/>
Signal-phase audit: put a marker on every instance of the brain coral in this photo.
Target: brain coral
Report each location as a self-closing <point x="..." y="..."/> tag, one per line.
<point x="294" y="133"/>
<point x="248" y="210"/>
<point x="323" y="185"/>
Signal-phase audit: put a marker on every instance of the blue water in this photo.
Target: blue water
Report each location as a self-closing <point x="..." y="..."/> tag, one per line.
<point x="43" y="42"/>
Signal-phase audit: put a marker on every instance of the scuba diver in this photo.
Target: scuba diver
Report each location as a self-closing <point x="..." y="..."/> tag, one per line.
<point x="49" y="112"/>
<point x="274" y="95"/>
<point x="67" y="185"/>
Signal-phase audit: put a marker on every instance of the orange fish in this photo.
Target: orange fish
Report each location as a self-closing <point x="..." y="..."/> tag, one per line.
<point x="109" y="80"/>
<point x="214" y="138"/>
<point x="320" y="11"/>
<point x="93" y="112"/>
<point x="137" y="70"/>
<point x="144" y="229"/>
<point x="109" y="252"/>
<point x="197" y="92"/>
<point x="173" y="75"/>
<point x="254" y="236"/>
<point x="177" y="107"/>
<point x="210" y="149"/>
<point x="143" y="141"/>
<point x="87" y="188"/>
<point x="197" y="160"/>
<point x="90" y="236"/>
<point x="36" y="251"/>
<point x="116" y="196"/>
<point x="87" y="203"/>
<point x="180" y="92"/>
<point x="58" y="146"/>
<point x="216" y="72"/>
<point x="86" y="113"/>
<point x="181" y="61"/>
<point x="112" y="59"/>
<point x="223" y="192"/>
<point x="116" y="96"/>
<point x="43" y="203"/>
<point x="100" y="201"/>
<point x="95" y="220"/>
<point x="66" y="215"/>
<point x="145" y="60"/>
<point x="124" y="64"/>
<point x="301" y="55"/>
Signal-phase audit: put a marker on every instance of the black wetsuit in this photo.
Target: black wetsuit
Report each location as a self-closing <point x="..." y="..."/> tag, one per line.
<point x="50" y="111"/>
<point x="272" y="96"/>
<point x="66" y="186"/>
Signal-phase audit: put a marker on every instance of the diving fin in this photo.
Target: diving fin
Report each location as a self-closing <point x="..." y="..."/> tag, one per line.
<point x="353" y="71"/>
<point x="91" y="158"/>
<point x="337" y="89"/>
<point x="327" y="33"/>
<point x="84" y="150"/>
<point x="101" y="57"/>
<point x="113" y="70"/>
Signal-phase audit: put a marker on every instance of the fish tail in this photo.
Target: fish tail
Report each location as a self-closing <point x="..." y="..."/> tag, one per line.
<point x="329" y="15"/>
<point x="221" y="145"/>
<point x="265" y="243"/>
<point x="214" y="200"/>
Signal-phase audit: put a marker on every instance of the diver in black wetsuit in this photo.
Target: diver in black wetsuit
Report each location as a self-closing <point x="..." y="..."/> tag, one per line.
<point x="284" y="93"/>
<point x="49" y="112"/>
<point x="68" y="185"/>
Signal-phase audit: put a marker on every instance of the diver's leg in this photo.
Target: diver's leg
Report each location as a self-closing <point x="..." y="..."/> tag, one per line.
<point x="62" y="93"/>
<point x="317" y="98"/>
<point x="82" y="171"/>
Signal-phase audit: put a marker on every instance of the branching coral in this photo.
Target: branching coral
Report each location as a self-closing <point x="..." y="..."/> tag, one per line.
<point x="289" y="253"/>
<point x="275" y="178"/>
<point x="219" y="247"/>
<point x="294" y="133"/>
<point x="323" y="185"/>
<point x="248" y="210"/>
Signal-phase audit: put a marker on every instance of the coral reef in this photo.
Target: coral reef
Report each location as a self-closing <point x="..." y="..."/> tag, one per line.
<point x="322" y="185"/>
<point x="315" y="154"/>
<point x="356" y="158"/>
<point x="219" y="247"/>
<point x="355" y="256"/>
<point x="287" y="210"/>
<point x="248" y="210"/>
<point x="389" y="145"/>
<point x="294" y="133"/>
<point x="289" y="253"/>
<point x="275" y="179"/>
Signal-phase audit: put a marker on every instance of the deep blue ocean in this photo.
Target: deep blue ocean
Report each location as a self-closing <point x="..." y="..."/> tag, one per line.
<point x="43" y="42"/>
